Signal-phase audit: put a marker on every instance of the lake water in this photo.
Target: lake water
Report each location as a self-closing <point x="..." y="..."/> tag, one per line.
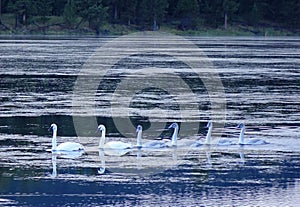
<point x="241" y="79"/>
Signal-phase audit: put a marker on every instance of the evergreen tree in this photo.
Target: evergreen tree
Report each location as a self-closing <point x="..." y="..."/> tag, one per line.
<point x="59" y="7"/>
<point x="44" y="9"/>
<point x="229" y="8"/>
<point x="70" y="16"/>
<point x="128" y="13"/>
<point x="22" y="10"/>
<point x="92" y="11"/>
<point x="152" y="11"/>
<point x="188" y="12"/>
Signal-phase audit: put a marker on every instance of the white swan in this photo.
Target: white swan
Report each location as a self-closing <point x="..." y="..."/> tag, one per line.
<point x="221" y="142"/>
<point x="63" y="147"/>
<point x="253" y="141"/>
<point x="155" y="144"/>
<point x="173" y="142"/>
<point x="181" y="142"/>
<point x="113" y="145"/>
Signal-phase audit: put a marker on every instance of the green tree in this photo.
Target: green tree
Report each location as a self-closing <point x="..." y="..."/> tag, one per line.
<point x="188" y="12"/>
<point x="211" y="11"/>
<point x="44" y="10"/>
<point x="22" y="10"/>
<point x="92" y="11"/>
<point x="229" y="8"/>
<point x="59" y="7"/>
<point x="128" y="12"/>
<point x="253" y="11"/>
<point x="70" y="15"/>
<point x="284" y="12"/>
<point x="152" y="11"/>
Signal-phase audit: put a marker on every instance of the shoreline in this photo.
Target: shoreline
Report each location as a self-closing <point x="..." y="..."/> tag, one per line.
<point x="119" y="30"/>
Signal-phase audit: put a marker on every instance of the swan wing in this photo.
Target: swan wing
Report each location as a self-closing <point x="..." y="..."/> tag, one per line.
<point x="117" y="145"/>
<point x="154" y="144"/>
<point x="69" y="146"/>
<point x="256" y="142"/>
<point x="224" y="142"/>
<point x="196" y="144"/>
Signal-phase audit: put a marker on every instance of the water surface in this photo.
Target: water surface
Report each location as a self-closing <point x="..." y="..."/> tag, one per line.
<point x="261" y="83"/>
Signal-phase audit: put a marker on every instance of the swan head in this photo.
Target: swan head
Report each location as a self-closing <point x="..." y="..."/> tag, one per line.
<point x="241" y="126"/>
<point x="139" y="128"/>
<point x="209" y="124"/>
<point x="174" y="125"/>
<point x="53" y="127"/>
<point x="101" y="128"/>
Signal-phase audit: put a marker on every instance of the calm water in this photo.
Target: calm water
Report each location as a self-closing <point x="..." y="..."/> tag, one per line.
<point x="261" y="80"/>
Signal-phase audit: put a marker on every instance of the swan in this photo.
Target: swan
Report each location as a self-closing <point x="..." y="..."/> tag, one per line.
<point x="113" y="145"/>
<point x="181" y="142"/>
<point x="63" y="147"/>
<point x="155" y="144"/>
<point x="253" y="141"/>
<point x="174" y="135"/>
<point x="221" y="142"/>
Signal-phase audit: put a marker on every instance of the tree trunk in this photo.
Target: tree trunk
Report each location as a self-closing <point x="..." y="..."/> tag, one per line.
<point x="116" y="12"/>
<point x="225" y="21"/>
<point x="16" y="21"/>
<point x="154" y="24"/>
<point x="0" y="11"/>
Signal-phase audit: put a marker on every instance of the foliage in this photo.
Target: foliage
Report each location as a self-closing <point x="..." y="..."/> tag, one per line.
<point x="185" y="14"/>
<point x="92" y="11"/>
<point x="69" y="14"/>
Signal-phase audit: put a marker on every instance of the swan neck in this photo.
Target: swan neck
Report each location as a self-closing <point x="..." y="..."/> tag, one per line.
<point x="241" y="138"/>
<point x="208" y="136"/>
<point x="139" y="139"/>
<point x="174" y="137"/>
<point x="54" y="144"/>
<point x="102" y="139"/>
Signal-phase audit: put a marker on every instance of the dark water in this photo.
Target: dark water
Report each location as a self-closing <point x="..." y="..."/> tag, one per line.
<point x="261" y="82"/>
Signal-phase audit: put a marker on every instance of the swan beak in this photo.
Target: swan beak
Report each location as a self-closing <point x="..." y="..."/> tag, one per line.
<point x="49" y="129"/>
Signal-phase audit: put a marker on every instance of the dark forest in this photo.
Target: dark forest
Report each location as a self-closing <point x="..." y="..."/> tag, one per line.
<point x="182" y="15"/>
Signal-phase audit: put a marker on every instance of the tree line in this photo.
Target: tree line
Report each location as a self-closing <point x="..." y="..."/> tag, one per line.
<point x="151" y="14"/>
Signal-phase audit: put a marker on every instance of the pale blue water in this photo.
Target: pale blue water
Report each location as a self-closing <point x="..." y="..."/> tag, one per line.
<point x="261" y="79"/>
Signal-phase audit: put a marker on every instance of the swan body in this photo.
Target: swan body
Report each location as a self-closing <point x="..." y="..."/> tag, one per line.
<point x="224" y="142"/>
<point x="69" y="146"/>
<point x="63" y="147"/>
<point x="113" y="145"/>
<point x="221" y="142"/>
<point x="182" y="142"/>
<point x="155" y="144"/>
<point x="254" y="141"/>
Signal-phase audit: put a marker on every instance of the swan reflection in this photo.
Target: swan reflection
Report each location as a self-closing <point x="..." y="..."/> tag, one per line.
<point x="54" y="171"/>
<point x="101" y="169"/>
<point x="69" y="155"/>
